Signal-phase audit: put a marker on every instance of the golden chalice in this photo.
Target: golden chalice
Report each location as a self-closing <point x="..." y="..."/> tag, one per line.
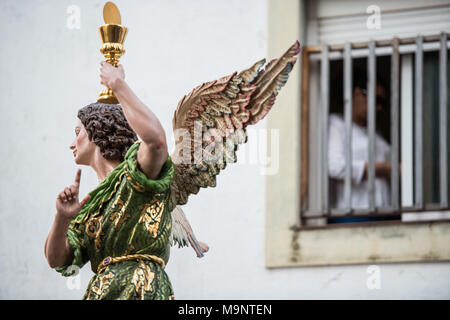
<point x="113" y="35"/>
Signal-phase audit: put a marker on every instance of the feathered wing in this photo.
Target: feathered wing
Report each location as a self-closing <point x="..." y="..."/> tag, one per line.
<point x="210" y="123"/>
<point x="183" y="235"/>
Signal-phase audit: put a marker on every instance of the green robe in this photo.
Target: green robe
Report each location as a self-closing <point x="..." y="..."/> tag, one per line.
<point x="127" y="214"/>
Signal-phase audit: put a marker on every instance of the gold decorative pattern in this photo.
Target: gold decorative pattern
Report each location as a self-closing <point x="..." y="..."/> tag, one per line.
<point x="117" y="204"/>
<point x="135" y="184"/>
<point x="98" y="241"/>
<point x="106" y="200"/>
<point x="121" y="219"/>
<point x="93" y="225"/>
<point x="151" y="215"/>
<point x="142" y="280"/>
<point x="120" y="215"/>
<point x="112" y="47"/>
<point x="94" y="231"/>
<point x="103" y="285"/>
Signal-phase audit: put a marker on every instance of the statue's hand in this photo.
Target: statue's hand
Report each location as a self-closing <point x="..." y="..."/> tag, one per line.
<point x="110" y="76"/>
<point x="67" y="204"/>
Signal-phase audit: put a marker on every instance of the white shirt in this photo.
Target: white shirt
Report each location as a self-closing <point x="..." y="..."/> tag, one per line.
<point x="360" y="155"/>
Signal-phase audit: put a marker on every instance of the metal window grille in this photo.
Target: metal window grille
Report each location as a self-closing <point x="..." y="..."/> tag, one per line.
<point x="393" y="48"/>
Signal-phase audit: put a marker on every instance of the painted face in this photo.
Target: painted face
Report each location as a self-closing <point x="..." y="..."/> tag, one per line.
<point x="83" y="149"/>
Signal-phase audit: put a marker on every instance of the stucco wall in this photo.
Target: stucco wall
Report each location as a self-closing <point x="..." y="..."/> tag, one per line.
<point x="49" y="71"/>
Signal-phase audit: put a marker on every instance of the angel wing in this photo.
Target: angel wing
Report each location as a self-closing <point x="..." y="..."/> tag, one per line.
<point x="209" y="123"/>
<point x="183" y="235"/>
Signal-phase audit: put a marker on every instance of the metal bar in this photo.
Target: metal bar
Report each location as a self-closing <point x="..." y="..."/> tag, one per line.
<point x="325" y="70"/>
<point x="418" y="151"/>
<point x="380" y="211"/>
<point x="348" y="105"/>
<point x="407" y="131"/>
<point x="371" y="121"/>
<point x="365" y="224"/>
<point x="443" y="120"/>
<point x="358" y="215"/>
<point x="304" y="122"/>
<point x="315" y="54"/>
<point x="378" y="43"/>
<point x="395" y="71"/>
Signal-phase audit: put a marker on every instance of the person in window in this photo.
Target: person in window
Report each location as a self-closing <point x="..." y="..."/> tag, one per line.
<point x="360" y="151"/>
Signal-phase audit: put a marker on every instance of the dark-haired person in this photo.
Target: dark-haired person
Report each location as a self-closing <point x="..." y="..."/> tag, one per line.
<point x="360" y="151"/>
<point x="122" y="227"/>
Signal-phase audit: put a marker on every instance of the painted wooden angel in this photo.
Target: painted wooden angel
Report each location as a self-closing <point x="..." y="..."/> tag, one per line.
<point x="125" y="226"/>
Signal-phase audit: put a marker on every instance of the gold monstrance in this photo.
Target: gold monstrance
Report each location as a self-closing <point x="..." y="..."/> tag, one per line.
<point x="113" y="35"/>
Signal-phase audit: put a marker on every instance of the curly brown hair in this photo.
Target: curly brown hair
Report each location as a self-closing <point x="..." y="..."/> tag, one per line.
<point x="108" y="128"/>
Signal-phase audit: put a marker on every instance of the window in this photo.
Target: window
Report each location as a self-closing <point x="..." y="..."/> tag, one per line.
<point x="409" y="118"/>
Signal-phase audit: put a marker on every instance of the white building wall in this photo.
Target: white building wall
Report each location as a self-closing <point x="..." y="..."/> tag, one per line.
<point x="49" y="71"/>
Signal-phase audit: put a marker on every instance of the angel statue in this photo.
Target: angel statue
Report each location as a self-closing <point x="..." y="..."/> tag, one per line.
<point x="126" y="225"/>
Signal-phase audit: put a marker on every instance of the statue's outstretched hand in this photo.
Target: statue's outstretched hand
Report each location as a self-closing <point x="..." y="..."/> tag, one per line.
<point x="67" y="204"/>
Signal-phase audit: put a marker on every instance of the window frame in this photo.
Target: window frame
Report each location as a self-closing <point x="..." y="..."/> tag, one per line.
<point x="345" y="51"/>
